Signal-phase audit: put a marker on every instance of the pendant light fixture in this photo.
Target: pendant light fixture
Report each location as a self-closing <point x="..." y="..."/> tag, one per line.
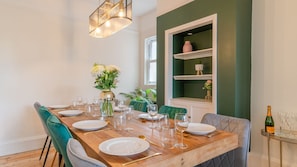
<point x="110" y="17"/>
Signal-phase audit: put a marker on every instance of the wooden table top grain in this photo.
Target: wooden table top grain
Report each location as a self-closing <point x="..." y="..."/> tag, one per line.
<point x="200" y="148"/>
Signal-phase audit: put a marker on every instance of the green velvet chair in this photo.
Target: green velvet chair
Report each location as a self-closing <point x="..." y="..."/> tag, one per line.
<point x="44" y="115"/>
<point x="139" y="105"/>
<point x="47" y="139"/>
<point x="171" y="111"/>
<point x="60" y="134"/>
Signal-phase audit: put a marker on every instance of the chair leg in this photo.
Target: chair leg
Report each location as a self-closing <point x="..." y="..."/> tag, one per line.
<point x="60" y="159"/>
<point x="49" y="146"/>
<point x="43" y="147"/>
<point x="54" y="159"/>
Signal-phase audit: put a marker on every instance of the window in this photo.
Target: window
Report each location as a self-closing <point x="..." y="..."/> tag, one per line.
<point x="150" y="61"/>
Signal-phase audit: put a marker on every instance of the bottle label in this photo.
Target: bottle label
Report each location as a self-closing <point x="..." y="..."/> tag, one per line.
<point x="270" y="129"/>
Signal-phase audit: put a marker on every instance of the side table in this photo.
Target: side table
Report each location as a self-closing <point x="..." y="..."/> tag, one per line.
<point x="281" y="136"/>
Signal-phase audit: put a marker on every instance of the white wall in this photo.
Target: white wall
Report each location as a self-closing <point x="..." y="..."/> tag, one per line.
<point x="147" y="27"/>
<point x="46" y="55"/>
<point x="274" y="80"/>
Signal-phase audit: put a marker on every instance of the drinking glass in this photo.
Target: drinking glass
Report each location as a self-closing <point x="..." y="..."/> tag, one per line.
<point x="129" y="113"/>
<point x="89" y="110"/>
<point x="181" y="124"/>
<point x="168" y="137"/>
<point x="163" y="121"/>
<point x="121" y="105"/>
<point x="152" y="109"/>
<point x="119" y="122"/>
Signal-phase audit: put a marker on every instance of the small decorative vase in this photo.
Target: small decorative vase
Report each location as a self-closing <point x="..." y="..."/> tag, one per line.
<point x="187" y="47"/>
<point x="208" y="95"/>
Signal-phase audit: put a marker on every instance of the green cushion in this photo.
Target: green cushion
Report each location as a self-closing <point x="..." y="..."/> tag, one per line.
<point x="171" y="111"/>
<point x="139" y="105"/>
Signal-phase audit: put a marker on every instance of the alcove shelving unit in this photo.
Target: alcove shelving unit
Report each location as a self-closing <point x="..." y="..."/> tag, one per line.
<point x="183" y="86"/>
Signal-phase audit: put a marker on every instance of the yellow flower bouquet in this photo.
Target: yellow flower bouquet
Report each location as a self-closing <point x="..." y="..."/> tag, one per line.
<point x="105" y="76"/>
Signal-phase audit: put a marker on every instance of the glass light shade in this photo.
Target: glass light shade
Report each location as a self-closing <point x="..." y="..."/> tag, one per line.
<point x="110" y="18"/>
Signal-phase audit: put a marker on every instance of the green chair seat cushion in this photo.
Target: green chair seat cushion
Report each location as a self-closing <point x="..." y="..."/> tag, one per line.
<point x="171" y="111"/>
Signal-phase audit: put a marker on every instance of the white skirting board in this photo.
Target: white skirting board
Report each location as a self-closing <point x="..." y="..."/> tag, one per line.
<point x="22" y="145"/>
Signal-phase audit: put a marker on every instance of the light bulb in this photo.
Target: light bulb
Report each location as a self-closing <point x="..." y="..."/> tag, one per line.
<point x="121" y="13"/>
<point x="98" y="30"/>
<point x="107" y="24"/>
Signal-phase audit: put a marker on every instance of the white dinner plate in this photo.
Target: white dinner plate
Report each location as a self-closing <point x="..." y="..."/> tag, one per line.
<point x="200" y="128"/>
<point x="69" y="113"/>
<point x="60" y="106"/>
<point x="118" y="108"/>
<point x="148" y="117"/>
<point x="89" y="125"/>
<point x="124" y="146"/>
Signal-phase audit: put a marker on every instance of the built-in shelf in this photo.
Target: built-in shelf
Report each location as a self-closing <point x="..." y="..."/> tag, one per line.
<point x="185" y="99"/>
<point x="194" y="54"/>
<point x="193" y="77"/>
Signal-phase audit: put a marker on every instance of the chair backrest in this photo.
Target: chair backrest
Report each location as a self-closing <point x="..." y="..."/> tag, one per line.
<point x="139" y="105"/>
<point x="60" y="134"/>
<point x="78" y="156"/>
<point x="44" y="115"/>
<point x="37" y="107"/>
<point x="171" y="111"/>
<point x="239" y="126"/>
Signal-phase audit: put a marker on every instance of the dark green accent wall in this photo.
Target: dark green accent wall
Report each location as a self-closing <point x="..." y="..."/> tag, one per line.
<point x="234" y="50"/>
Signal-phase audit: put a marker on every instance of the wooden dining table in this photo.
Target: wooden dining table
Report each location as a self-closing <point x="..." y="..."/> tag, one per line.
<point x="200" y="148"/>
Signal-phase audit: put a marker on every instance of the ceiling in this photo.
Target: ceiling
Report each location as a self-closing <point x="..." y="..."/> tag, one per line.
<point x="141" y="7"/>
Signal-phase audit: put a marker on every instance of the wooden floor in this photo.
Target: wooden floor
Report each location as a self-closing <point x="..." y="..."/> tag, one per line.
<point x="28" y="159"/>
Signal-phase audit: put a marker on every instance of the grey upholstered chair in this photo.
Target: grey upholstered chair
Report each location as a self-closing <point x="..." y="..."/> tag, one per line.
<point x="78" y="157"/>
<point x="234" y="158"/>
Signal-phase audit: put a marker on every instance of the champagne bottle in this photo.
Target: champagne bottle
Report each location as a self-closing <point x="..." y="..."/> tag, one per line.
<point x="269" y="123"/>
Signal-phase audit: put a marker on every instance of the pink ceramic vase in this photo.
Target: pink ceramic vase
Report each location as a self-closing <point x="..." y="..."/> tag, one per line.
<point x="187" y="47"/>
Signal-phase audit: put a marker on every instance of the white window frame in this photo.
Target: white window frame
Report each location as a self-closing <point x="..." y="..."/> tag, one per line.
<point x="147" y="60"/>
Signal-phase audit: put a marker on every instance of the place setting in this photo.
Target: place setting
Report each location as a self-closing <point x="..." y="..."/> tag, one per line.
<point x="59" y="106"/>
<point x="70" y="113"/>
<point x="90" y="125"/>
<point x="201" y="129"/>
<point x="126" y="146"/>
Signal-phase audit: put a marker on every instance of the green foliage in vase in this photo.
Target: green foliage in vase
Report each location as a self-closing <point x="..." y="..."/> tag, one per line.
<point x="148" y="95"/>
<point x="207" y="85"/>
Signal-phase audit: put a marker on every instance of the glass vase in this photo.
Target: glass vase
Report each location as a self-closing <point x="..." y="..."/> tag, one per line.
<point x="107" y="105"/>
<point x="106" y="108"/>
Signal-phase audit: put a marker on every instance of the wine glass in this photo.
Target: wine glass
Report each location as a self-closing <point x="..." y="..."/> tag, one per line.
<point x="181" y="124"/>
<point x="152" y="109"/>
